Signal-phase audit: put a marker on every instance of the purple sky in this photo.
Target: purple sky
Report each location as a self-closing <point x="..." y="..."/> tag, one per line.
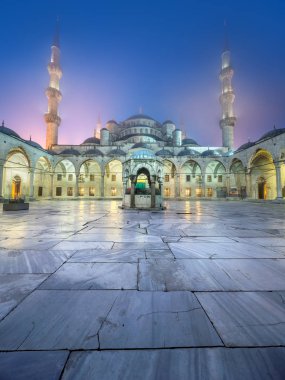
<point x="162" y="55"/>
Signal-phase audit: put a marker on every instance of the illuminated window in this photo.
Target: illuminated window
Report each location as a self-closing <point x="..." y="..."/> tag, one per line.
<point x="81" y="191"/>
<point x="188" y="192"/>
<point x="92" y="177"/>
<point x="113" y="177"/>
<point x="220" y="178"/>
<point x="40" y="191"/>
<point x="58" y="191"/>
<point x="199" y="192"/>
<point x="70" y="191"/>
<point x="167" y="192"/>
<point x="70" y="177"/>
<point x="209" y="178"/>
<point x="59" y="177"/>
<point x="113" y="191"/>
<point x="188" y="178"/>
<point x="209" y="192"/>
<point x="166" y="178"/>
<point x="91" y="191"/>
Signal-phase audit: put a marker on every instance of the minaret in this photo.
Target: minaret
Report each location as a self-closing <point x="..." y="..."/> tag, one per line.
<point x="227" y="98"/>
<point x="53" y="94"/>
<point x="98" y="128"/>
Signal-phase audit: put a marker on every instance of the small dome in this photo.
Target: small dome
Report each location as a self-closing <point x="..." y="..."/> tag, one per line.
<point x="164" y="153"/>
<point x="210" y="153"/>
<point x="91" y="140"/>
<point x="189" y="142"/>
<point x="93" y="152"/>
<point x="274" y="132"/>
<point x="117" y="152"/>
<point x="70" y="152"/>
<point x="168" y="122"/>
<point x="111" y="122"/>
<point x="8" y="131"/>
<point x="34" y="144"/>
<point x="245" y="146"/>
<point x="187" y="152"/>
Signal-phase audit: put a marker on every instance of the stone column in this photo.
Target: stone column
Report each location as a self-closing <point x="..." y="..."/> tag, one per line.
<point x="132" y="193"/>
<point x="102" y="185"/>
<point x="76" y="184"/>
<point x="152" y="192"/>
<point x="1" y="180"/>
<point x="278" y="180"/>
<point x="177" y="185"/>
<point x="228" y="185"/>
<point x="31" y="188"/>
<point x="248" y="184"/>
<point x="51" y="185"/>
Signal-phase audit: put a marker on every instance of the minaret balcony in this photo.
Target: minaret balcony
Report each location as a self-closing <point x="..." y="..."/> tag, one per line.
<point x="53" y="93"/>
<point x="226" y="73"/>
<point x="227" y="97"/>
<point x="52" y="118"/>
<point x="228" y="122"/>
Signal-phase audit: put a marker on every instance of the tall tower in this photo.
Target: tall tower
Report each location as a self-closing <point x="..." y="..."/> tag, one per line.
<point x="227" y="98"/>
<point x="53" y="94"/>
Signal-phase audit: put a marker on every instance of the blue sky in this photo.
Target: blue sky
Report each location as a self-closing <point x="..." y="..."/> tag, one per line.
<point x="162" y="55"/>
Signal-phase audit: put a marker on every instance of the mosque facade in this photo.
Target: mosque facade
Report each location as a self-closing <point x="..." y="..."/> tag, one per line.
<point x="140" y="159"/>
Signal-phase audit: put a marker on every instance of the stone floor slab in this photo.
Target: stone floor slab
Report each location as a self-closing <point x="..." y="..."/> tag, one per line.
<point x="93" y="276"/>
<point x="107" y="255"/>
<point x="15" y="287"/>
<point x="157" y="319"/>
<point x="77" y="245"/>
<point x="52" y="320"/>
<point x="32" y="365"/>
<point x="247" y="318"/>
<point x="180" y="364"/>
<point x="32" y="261"/>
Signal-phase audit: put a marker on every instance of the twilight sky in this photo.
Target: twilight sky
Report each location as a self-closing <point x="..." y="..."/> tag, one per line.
<point x="163" y="55"/>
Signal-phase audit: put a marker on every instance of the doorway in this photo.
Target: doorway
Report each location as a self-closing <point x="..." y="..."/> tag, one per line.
<point x="262" y="191"/>
<point x="16" y="187"/>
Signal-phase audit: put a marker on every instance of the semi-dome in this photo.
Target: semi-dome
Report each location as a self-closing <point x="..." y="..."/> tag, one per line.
<point x="142" y="154"/>
<point x="167" y="122"/>
<point x="187" y="152"/>
<point x="93" y="152"/>
<point x="70" y="152"/>
<point x="245" y="146"/>
<point x="189" y="142"/>
<point x="210" y="153"/>
<point x="140" y="145"/>
<point x="91" y="140"/>
<point x="8" y="131"/>
<point x="164" y="153"/>
<point x="117" y="152"/>
<point x="34" y="144"/>
<point x="274" y="132"/>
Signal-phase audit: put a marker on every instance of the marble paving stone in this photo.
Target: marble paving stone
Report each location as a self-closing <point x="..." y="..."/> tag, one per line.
<point x="93" y="276"/>
<point x="233" y="250"/>
<point x="266" y="242"/>
<point x="157" y="319"/>
<point x="140" y="246"/>
<point x="159" y="254"/>
<point x="206" y="239"/>
<point x="52" y="320"/>
<point x="39" y="244"/>
<point x="211" y="275"/>
<point x="247" y="318"/>
<point x="107" y="255"/>
<point x="32" y="365"/>
<point x="32" y="261"/>
<point x="123" y="236"/>
<point x="183" y="364"/>
<point x="76" y="245"/>
<point x="15" y="287"/>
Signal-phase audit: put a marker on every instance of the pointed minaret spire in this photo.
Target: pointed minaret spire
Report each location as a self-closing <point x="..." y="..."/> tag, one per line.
<point x="227" y="98"/>
<point x="56" y="34"/>
<point x="53" y="94"/>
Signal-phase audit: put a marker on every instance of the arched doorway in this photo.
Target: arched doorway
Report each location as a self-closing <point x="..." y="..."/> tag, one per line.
<point x="262" y="190"/>
<point x="16" y="187"/>
<point x="142" y="181"/>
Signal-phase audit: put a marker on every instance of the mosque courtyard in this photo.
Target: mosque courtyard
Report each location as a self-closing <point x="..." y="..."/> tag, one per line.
<point x="91" y="291"/>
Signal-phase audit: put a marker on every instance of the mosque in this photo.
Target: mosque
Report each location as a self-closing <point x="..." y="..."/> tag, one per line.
<point x="141" y="160"/>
